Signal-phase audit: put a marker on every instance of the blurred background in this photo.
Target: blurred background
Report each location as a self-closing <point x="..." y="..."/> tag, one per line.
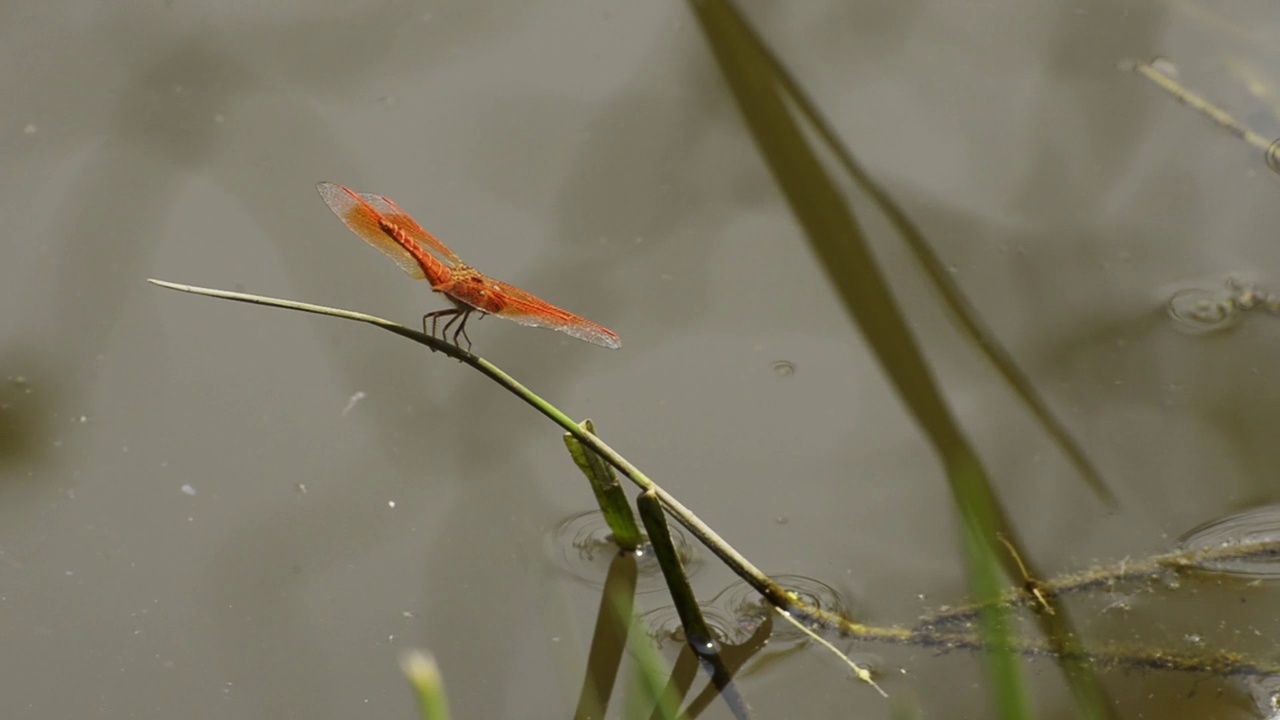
<point x="214" y="510"/>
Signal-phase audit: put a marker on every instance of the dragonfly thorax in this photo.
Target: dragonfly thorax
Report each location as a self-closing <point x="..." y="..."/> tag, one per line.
<point x="470" y="288"/>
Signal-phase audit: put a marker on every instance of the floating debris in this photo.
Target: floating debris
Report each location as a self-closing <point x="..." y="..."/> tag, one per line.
<point x="1202" y="311"/>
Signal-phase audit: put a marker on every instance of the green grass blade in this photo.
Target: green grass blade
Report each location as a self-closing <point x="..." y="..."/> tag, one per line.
<point x="757" y="84"/>
<point x="608" y="491"/>
<point x="423" y="673"/>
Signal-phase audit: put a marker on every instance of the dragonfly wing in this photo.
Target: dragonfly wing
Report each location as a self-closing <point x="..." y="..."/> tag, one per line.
<point x="366" y="221"/>
<point x="528" y="309"/>
<point x="392" y="212"/>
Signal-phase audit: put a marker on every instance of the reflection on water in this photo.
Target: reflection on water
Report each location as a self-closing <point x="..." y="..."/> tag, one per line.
<point x="24" y="418"/>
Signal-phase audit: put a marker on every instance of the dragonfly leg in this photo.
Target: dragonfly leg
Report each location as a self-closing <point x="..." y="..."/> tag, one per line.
<point x="434" y="317"/>
<point x="460" y="317"/>
<point x="462" y="331"/>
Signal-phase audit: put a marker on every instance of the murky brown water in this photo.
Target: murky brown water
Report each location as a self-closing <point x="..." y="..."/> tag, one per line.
<point x="212" y="510"/>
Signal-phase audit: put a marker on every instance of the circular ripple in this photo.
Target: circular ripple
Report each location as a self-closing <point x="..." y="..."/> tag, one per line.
<point x="582" y="546"/>
<point x="663" y="625"/>
<point x="738" y="614"/>
<point x="749" y="610"/>
<point x="1201" y="311"/>
<point x="1273" y="156"/>
<point x="1246" y="544"/>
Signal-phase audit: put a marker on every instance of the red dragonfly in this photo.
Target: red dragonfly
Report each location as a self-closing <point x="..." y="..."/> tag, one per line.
<point x="382" y="224"/>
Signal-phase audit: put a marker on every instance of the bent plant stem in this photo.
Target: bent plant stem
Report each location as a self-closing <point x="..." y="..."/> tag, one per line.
<point x="1220" y="117"/>
<point x="742" y="567"/>
<point x="1222" y="663"/>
